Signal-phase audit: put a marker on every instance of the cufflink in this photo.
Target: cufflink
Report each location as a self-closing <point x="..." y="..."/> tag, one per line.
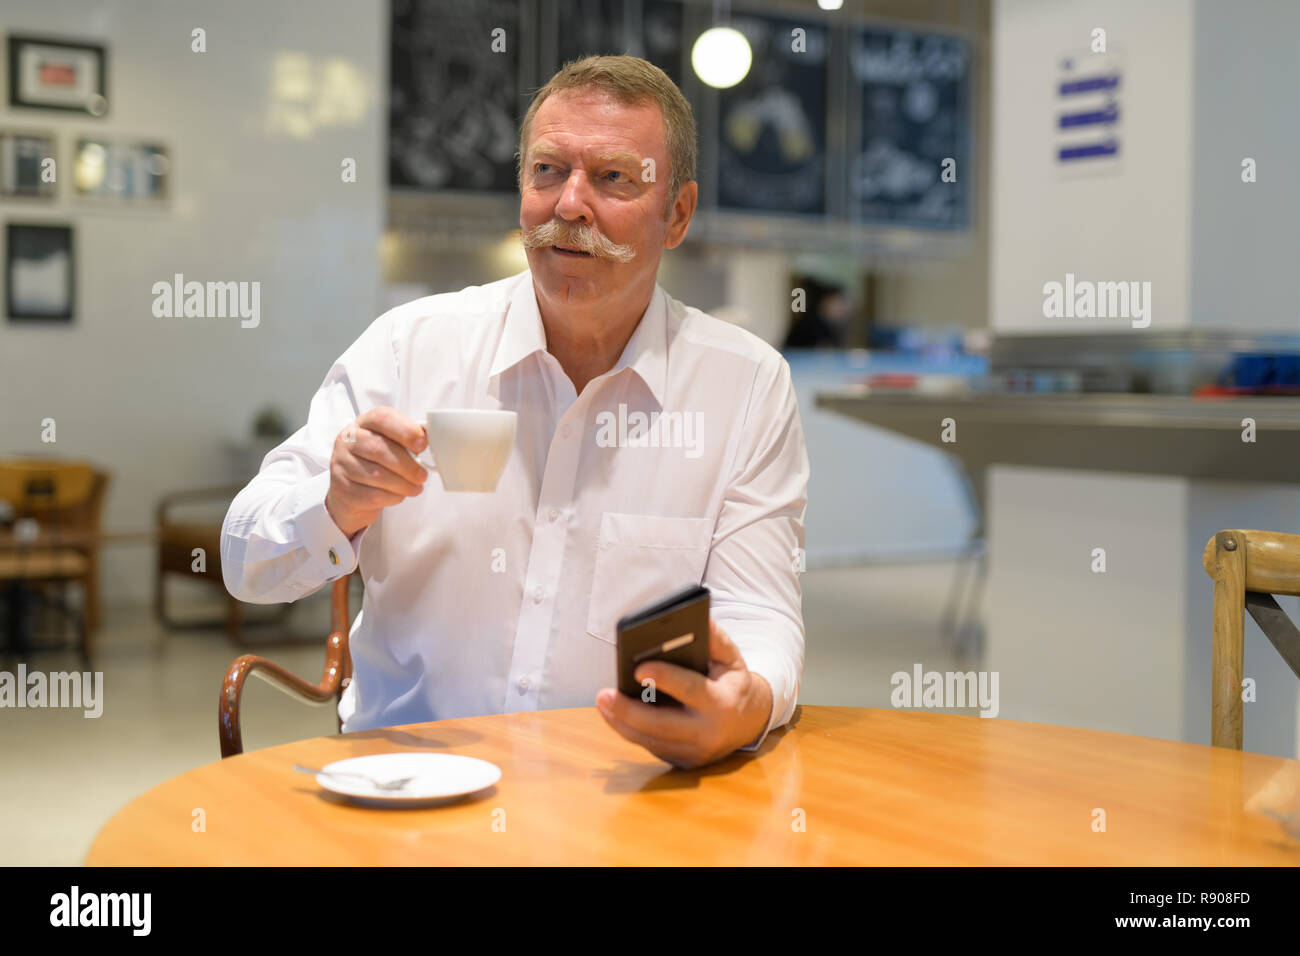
<point x="334" y="558"/>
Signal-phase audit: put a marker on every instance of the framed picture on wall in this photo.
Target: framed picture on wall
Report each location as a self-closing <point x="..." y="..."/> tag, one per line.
<point x="53" y="74"/>
<point x="39" y="270"/>
<point x="454" y="103"/>
<point x="911" y="132"/>
<point x="651" y="29"/>
<point x="107" y="169"/>
<point x="771" y="127"/>
<point x="27" y="165"/>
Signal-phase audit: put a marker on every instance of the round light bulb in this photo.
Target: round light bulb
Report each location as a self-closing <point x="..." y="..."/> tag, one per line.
<point x="721" y="57"/>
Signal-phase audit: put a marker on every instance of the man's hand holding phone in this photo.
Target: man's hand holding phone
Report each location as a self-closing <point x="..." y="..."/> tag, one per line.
<point x="370" y="467"/>
<point x="722" y="710"/>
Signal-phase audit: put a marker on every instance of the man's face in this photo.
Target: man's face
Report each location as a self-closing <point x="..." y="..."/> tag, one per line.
<point x="585" y="185"/>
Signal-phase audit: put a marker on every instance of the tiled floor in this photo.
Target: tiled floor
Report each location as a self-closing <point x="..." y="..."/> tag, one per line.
<point x="62" y="776"/>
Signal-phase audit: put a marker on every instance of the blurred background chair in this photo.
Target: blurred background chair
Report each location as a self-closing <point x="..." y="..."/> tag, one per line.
<point x="335" y="678"/>
<point x="1248" y="568"/>
<point x="178" y="540"/>
<point x="52" y="541"/>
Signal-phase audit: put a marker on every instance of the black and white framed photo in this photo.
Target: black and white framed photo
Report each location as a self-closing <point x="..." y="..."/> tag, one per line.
<point x="651" y="29"/>
<point x="453" y="109"/>
<point x="136" y="171"/>
<point x="911" y="130"/>
<point x="27" y="165"/>
<point x="771" y="127"/>
<point x="52" y="74"/>
<point x="39" y="270"/>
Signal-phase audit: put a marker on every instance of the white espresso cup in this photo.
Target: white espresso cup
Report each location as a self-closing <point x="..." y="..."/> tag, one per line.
<point x="470" y="446"/>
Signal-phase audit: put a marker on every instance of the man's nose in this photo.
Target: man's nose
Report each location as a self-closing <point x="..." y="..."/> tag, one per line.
<point x="575" y="198"/>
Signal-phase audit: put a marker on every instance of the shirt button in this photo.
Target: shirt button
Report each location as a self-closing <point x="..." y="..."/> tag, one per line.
<point x="555" y="513"/>
<point x="334" y="558"/>
<point x="523" y="685"/>
<point x="537" y="596"/>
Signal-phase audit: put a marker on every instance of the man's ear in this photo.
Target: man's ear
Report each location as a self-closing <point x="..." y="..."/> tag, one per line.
<point x="683" y="210"/>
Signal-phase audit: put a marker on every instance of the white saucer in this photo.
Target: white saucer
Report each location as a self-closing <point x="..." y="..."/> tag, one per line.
<point x="439" y="777"/>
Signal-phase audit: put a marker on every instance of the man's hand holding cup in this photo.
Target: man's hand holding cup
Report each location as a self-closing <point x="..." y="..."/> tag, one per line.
<point x="371" y="467"/>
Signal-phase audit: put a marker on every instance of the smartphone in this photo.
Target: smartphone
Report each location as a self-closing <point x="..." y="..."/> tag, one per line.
<point x="673" y="629"/>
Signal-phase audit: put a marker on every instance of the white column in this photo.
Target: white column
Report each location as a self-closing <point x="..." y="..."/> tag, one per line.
<point x="1203" y="85"/>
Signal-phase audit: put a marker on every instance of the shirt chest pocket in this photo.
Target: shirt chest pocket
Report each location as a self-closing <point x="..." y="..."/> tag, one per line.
<point x="639" y="559"/>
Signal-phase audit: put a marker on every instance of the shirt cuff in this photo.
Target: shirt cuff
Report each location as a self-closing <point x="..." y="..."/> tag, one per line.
<point x="785" y="690"/>
<point x="332" y="553"/>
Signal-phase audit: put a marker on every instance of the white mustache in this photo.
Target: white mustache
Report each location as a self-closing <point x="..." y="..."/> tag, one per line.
<point x="578" y="236"/>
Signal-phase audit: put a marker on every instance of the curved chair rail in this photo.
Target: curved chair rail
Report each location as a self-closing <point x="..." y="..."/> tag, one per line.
<point x="336" y="676"/>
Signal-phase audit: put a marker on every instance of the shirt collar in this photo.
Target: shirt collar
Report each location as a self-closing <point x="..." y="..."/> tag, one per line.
<point x="523" y="333"/>
<point x="646" y="352"/>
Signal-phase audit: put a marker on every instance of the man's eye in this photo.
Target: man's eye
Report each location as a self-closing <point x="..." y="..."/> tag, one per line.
<point x="542" y="167"/>
<point x="617" y="172"/>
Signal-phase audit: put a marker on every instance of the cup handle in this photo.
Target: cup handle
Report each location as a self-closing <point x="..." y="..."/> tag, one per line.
<point x="420" y="459"/>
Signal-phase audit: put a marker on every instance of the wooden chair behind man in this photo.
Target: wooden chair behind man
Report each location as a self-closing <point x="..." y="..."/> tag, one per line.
<point x="181" y="540"/>
<point x="336" y="677"/>
<point x="65" y="499"/>
<point x="1248" y="568"/>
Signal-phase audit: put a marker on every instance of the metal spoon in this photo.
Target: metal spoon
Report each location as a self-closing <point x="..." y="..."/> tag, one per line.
<point x="397" y="784"/>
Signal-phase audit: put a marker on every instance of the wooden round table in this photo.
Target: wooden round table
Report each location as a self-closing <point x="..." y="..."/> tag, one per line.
<point x="842" y="785"/>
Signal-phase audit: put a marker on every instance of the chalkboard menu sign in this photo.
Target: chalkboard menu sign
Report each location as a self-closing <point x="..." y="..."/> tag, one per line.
<point x="594" y="27"/>
<point x="911" y="163"/>
<point x="900" y="123"/>
<point x="455" y="99"/>
<point x="772" y="124"/>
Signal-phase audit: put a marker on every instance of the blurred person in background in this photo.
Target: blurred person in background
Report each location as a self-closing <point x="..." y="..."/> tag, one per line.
<point x="823" y="324"/>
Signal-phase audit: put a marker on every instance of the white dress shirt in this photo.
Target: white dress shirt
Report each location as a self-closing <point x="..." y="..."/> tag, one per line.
<point x="495" y="603"/>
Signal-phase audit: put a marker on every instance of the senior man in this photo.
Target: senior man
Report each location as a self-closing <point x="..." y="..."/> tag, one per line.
<point x="503" y="602"/>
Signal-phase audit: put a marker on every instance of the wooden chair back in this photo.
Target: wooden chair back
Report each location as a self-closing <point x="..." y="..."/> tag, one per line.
<point x="1247" y="567"/>
<point x="66" y="498"/>
<point x="39" y="486"/>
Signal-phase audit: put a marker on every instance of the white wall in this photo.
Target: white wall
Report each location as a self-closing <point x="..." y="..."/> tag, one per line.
<point x="1075" y="647"/>
<point x="1246" y="236"/>
<point x="758" y="283"/>
<point x="1131" y="224"/>
<point x="257" y="196"/>
<point x="1127" y="650"/>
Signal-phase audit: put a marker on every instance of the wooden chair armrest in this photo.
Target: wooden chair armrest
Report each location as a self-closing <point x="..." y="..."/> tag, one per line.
<point x="336" y="676"/>
<point x="232" y="689"/>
